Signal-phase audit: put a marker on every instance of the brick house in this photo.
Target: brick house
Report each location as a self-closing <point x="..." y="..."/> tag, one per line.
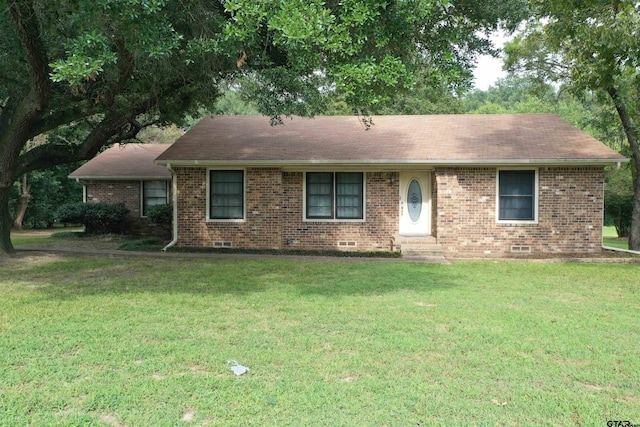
<point x="128" y="174"/>
<point x="472" y="185"/>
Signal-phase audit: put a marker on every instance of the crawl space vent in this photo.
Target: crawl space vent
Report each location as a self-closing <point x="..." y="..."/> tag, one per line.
<point x="223" y="244"/>
<point x="347" y="244"/>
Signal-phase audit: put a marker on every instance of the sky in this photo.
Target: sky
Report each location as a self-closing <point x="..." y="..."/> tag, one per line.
<point x="489" y="69"/>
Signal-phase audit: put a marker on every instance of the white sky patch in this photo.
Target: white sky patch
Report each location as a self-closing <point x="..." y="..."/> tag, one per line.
<point x="489" y="69"/>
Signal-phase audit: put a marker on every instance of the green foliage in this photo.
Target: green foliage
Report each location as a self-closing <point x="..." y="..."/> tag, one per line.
<point x="97" y="218"/>
<point x="161" y="214"/>
<point x="513" y="94"/>
<point x="71" y="213"/>
<point x="49" y="189"/>
<point x="368" y="49"/>
<point x="618" y="200"/>
<point x="427" y="95"/>
<point x="233" y="103"/>
<point x="160" y="134"/>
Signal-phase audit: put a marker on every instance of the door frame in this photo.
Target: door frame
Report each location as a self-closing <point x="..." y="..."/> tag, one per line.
<point x="406" y="226"/>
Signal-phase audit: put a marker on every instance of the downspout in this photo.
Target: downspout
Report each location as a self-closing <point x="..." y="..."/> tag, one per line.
<point x="84" y="196"/>
<point x="612" y="171"/>
<point x="174" y="202"/>
<point x="84" y="190"/>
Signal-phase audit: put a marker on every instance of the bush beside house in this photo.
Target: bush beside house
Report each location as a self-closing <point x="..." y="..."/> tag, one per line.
<point x="97" y="218"/>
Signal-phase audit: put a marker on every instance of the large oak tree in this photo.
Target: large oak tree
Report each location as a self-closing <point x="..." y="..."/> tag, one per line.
<point x="107" y="68"/>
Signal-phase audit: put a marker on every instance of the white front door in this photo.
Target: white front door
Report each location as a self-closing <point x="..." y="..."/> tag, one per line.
<point x="415" y="203"/>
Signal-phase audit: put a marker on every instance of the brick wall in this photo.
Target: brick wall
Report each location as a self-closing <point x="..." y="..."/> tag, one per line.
<point x="274" y="214"/>
<point x="262" y="227"/>
<point x="569" y="215"/>
<point x="381" y="225"/>
<point x="127" y="192"/>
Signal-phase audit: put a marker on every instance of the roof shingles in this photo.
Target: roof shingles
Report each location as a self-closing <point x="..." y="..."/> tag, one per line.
<point x="129" y="161"/>
<point x="446" y="139"/>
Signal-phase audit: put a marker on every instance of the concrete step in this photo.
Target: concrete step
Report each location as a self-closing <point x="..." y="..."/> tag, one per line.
<point x="420" y="248"/>
<point x="415" y="240"/>
<point x="421" y="252"/>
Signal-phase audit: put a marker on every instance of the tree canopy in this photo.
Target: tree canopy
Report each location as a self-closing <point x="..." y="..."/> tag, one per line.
<point x="107" y="68"/>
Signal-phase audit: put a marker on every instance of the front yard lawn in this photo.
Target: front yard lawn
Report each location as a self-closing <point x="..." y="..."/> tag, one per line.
<point x="145" y="341"/>
<point x="610" y="238"/>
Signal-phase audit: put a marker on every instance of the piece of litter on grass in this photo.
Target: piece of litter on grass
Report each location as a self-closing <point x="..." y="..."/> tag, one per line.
<point x="237" y="368"/>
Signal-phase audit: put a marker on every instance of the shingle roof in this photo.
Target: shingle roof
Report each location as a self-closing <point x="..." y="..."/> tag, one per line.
<point x="130" y="161"/>
<point x="437" y="139"/>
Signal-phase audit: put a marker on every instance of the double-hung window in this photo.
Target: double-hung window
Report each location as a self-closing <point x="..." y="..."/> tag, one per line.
<point x="226" y="194"/>
<point x="335" y="195"/>
<point x="517" y="195"/>
<point x="153" y="193"/>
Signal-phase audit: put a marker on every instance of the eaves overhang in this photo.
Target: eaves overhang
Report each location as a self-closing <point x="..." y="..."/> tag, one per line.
<point x="390" y="164"/>
<point x="119" y="178"/>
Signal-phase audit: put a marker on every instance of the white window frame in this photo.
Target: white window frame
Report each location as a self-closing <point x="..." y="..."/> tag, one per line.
<point x="304" y="198"/>
<point x="536" y="197"/>
<point x="166" y="183"/>
<point x="244" y="195"/>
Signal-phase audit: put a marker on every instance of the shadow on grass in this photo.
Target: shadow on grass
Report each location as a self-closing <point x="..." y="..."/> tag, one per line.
<point x="70" y="277"/>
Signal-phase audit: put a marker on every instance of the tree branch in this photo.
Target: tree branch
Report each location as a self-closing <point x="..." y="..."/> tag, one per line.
<point x="113" y="129"/>
<point x="58" y="118"/>
<point x="28" y="29"/>
<point x="25" y="111"/>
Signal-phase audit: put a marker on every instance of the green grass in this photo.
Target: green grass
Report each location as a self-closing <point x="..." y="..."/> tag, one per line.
<point x="18" y="241"/>
<point x="144" y="341"/>
<point x="26" y="237"/>
<point x="610" y="238"/>
<point x="151" y="244"/>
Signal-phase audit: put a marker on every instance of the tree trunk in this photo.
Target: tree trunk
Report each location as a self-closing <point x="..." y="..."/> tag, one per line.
<point x="23" y="204"/>
<point x="630" y="132"/>
<point x="5" y="222"/>
<point x="634" y="233"/>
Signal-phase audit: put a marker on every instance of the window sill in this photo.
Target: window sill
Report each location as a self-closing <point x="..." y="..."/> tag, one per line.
<point x="334" y="220"/>
<point x="517" y="222"/>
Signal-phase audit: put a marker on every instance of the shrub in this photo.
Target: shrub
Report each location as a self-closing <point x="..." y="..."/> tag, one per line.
<point x="97" y="218"/>
<point x="161" y="215"/>
<point x="71" y="213"/>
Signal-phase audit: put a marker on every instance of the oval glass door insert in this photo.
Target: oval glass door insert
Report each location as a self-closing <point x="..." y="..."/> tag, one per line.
<point x="414" y="200"/>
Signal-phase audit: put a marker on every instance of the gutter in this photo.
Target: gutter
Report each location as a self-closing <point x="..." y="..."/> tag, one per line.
<point x="120" y="177"/>
<point x="398" y="163"/>
<point x="174" y="200"/>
